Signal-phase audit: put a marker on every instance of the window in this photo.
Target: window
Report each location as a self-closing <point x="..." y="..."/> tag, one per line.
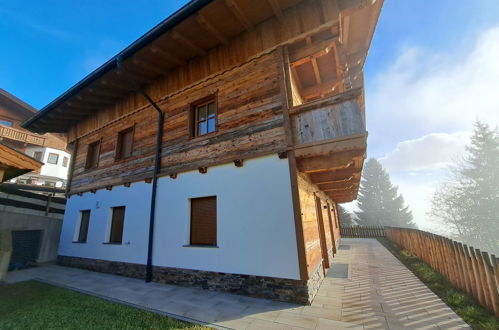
<point x="204" y="221"/>
<point x="65" y="161"/>
<point x="83" y="230"/>
<point x="53" y="158"/>
<point x="93" y="155"/>
<point x="117" y="221"/>
<point x="5" y="123"/>
<point x="205" y="118"/>
<point x="38" y="155"/>
<point x="124" y="145"/>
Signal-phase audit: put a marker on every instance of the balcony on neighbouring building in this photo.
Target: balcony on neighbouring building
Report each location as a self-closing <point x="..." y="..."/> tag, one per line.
<point x="22" y="136"/>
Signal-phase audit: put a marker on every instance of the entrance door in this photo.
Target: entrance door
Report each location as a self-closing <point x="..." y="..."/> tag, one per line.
<point x="322" y="233"/>
<point x="331" y="227"/>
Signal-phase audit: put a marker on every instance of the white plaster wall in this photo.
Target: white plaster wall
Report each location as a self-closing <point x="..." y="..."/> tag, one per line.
<point x="136" y="198"/>
<point x="55" y="170"/>
<point x="255" y="224"/>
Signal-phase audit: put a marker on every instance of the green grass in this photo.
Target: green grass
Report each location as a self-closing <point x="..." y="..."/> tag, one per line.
<point x="35" y="305"/>
<point x="464" y="305"/>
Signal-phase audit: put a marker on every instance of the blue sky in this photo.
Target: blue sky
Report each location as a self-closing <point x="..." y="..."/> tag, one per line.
<point x="431" y="71"/>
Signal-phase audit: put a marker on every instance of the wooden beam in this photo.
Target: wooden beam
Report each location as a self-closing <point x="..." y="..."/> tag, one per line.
<point x="323" y="88"/>
<point x="339" y="185"/>
<point x="234" y="8"/>
<point x="276" y="8"/>
<point x="335" y="161"/>
<point x="186" y="42"/>
<point x="101" y="93"/>
<point x="115" y="85"/>
<point x="208" y="27"/>
<point x="325" y="177"/>
<point x="317" y="49"/>
<point x="317" y="74"/>
<point x="169" y="56"/>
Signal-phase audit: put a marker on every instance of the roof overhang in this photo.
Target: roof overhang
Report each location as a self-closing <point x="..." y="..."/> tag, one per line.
<point x="14" y="163"/>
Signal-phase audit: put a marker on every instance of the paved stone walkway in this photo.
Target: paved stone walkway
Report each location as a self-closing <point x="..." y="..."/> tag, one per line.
<point x="379" y="293"/>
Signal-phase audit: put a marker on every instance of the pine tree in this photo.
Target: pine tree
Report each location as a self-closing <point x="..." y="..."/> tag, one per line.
<point x="469" y="203"/>
<point x="346" y="218"/>
<point x="379" y="201"/>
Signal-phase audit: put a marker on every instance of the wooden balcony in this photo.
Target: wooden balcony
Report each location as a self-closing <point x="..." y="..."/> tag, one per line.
<point x="330" y="143"/>
<point x="22" y="136"/>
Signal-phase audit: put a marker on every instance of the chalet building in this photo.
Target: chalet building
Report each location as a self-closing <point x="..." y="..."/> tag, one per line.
<point x="212" y="152"/>
<point x="50" y="149"/>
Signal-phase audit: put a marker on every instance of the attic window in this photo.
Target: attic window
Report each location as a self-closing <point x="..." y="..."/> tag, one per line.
<point x="93" y="155"/>
<point x="125" y="143"/>
<point x="204" y="117"/>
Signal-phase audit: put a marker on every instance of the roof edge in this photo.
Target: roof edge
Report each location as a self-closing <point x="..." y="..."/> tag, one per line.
<point x="162" y="27"/>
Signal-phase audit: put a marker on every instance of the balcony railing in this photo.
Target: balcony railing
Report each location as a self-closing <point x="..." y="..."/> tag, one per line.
<point x="328" y="119"/>
<point x="21" y="136"/>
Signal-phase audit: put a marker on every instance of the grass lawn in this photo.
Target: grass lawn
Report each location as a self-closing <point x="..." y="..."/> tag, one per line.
<point x="36" y="305"/>
<point x="464" y="305"/>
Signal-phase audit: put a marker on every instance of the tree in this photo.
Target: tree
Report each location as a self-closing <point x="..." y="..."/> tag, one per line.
<point x="345" y="217"/>
<point x="468" y="203"/>
<point x="379" y="201"/>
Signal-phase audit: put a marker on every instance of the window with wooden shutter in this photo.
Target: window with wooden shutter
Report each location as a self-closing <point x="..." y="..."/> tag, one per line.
<point x="84" y="222"/>
<point x="65" y="161"/>
<point x="204" y="221"/>
<point x="117" y="222"/>
<point x="125" y="143"/>
<point x="93" y="155"/>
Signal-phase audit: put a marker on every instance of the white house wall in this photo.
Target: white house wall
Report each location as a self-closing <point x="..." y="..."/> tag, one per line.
<point x="255" y="224"/>
<point x="54" y="170"/>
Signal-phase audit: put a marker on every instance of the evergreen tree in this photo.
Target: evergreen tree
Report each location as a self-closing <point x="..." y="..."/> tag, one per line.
<point x="469" y="203"/>
<point x="345" y="217"/>
<point x="379" y="201"/>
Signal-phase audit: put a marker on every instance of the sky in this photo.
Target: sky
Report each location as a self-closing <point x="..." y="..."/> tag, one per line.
<point x="432" y="70"/>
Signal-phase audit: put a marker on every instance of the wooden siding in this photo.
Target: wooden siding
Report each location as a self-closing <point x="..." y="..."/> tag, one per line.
<point x="249" y="123"/>
<point x="310" y="222"/>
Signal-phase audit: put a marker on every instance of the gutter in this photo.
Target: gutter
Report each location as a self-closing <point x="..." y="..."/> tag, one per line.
<point x="164" y="26"/>
<point x="157" y="163"/>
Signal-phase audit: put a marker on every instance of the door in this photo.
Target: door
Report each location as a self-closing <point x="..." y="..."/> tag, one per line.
<point x="322" y="232"/>
<point x="25" y="248"/>
<point x="331" y="227"/>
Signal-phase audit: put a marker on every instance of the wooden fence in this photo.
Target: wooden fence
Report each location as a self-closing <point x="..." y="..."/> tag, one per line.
<point x="471" y="270"/>
<point x="362" y="231"/>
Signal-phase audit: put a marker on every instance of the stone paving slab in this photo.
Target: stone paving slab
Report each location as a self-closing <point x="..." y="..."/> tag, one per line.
<point x="378" y="293"/>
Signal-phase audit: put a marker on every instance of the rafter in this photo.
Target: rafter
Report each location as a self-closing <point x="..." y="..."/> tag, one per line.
<point x="276" y="8"/>
<point x="169" y="57"/>
<point x="186" y="42"/>
<point x="234" y="8"/>
<point x="317" y="74"/>
<point x="208" y="27"/>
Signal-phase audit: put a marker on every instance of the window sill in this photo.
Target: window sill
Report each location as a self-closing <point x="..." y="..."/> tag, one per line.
<point x="79" y="242"/>
<point x="112" y="243"/>
<point x="201" y="246"/>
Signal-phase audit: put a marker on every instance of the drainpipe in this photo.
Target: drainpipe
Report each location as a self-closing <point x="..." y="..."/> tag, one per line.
<point x="157" y="164"/>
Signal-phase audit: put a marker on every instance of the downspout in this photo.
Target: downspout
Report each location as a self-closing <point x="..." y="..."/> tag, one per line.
<point x="157" y="164"/>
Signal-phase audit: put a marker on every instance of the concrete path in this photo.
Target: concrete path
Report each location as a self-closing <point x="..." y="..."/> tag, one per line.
<point x="378" y="293"/>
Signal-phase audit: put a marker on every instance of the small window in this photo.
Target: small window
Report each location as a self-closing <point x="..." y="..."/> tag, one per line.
<point x="6" y="123"/>
<point x="117" y="222"/>
<point x="125" y="143"/>
<point x="38" y="155"/>
<point x="204" y="221"/>
<point x="53" y="158"/>
<point x="84" y="222"/>
<point x="93" y="155"/>
<point x="205" y="118"/>
<point x="65" y="161"/>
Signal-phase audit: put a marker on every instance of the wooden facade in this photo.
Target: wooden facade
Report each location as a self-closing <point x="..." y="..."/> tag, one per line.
<point x="286" y="78"/>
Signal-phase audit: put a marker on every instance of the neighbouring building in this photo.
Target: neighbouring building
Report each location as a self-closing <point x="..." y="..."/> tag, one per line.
<point x="50" y="149"/>
<point x="212" y="152"/>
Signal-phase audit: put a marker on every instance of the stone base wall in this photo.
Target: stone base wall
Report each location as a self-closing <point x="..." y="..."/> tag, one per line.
<point x="288" y="290"/>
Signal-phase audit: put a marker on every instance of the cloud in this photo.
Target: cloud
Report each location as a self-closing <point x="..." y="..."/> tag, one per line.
<point x="433" y="151"/>
<point x="424" y="92"/>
